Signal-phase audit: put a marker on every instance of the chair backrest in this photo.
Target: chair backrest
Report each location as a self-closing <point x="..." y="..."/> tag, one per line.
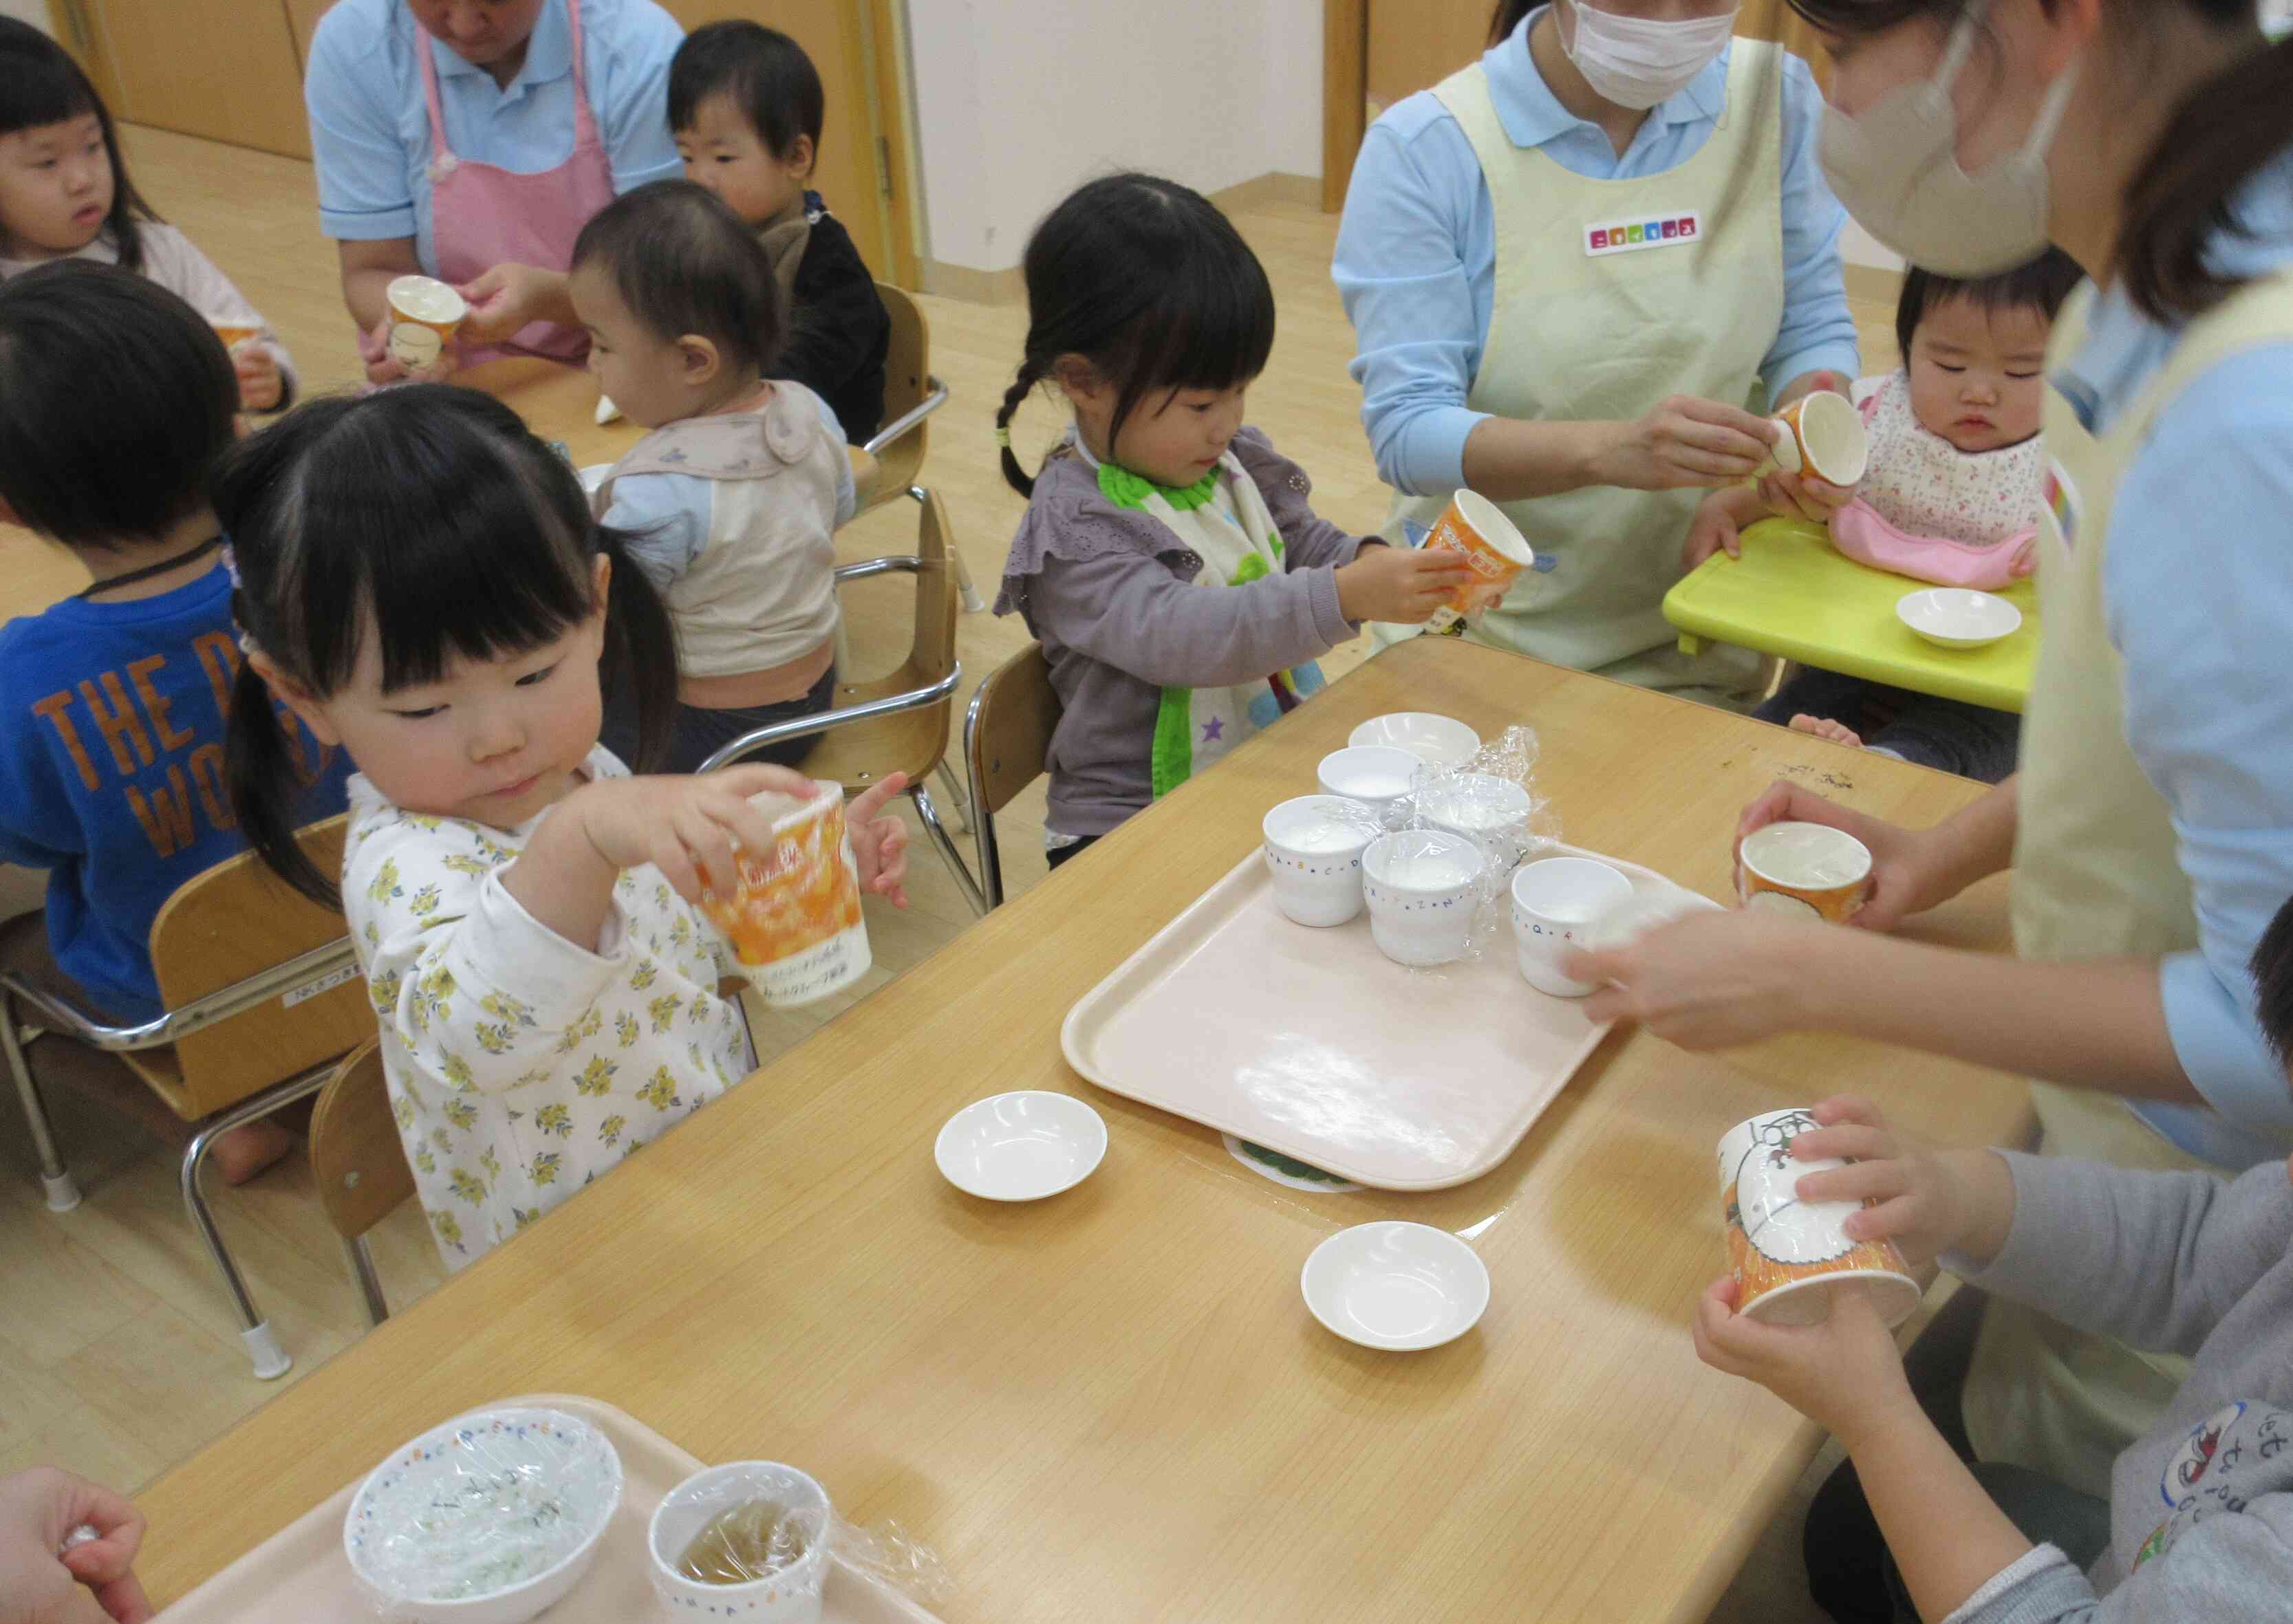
<point x="1007" y="743"/>
<point x="356" y="1156"/>
<point x="907" y="379"/>
<point x="235" y="921"/>
<point x="938" y="599"/>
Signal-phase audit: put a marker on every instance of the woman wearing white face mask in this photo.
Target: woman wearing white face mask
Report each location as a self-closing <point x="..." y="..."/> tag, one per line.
<point x="2150" y="831"/>
<point x="1580" y="271"/>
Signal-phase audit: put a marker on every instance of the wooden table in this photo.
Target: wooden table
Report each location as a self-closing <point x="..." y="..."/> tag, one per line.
<point x="1113" y="1405"/>
<point x="1796" y="595"/>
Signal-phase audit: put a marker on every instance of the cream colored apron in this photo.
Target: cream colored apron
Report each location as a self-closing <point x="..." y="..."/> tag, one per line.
<point x="2096" y="876"/>
<point x="1593" y="319"/>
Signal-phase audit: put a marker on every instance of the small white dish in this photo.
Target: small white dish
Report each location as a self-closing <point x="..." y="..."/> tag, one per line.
<point x="1956" y="618"/>
<point x="1437" y="741"/>
<point x="1378" y="775"/>
<point x="488" y="1519"/>
<point x="789" y="1595"/>
<point x="1396" y="1287"/>
<point x="1021" y="1146"/>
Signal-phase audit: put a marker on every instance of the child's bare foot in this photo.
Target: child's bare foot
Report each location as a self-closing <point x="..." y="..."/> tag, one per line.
<point x="247" y="1150"/>
<point x="1824" y="727"/>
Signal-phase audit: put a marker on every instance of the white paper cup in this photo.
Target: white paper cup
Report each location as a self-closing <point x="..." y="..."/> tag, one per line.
<point x="794" y="919"/>
<point x="1789" y="1256"/>
<point x="791" y="1595"/>
<point x="1314" y="848"/>
<point x="425" y="314"/>
<point x="1804" y="868"/>
<point x="1377" y="775"/>
<point x="1555" y="902"/>
<point x="1491" y="811"/>
<point x="1421" y="885"/>
<point x="1824" y="434"/>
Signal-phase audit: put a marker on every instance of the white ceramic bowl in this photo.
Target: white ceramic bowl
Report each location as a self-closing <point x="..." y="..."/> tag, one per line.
<point x="1437" y="741"/>
<point x="485" y="1520"/>
<point x="1021" y="1146"/>
<point x="1555" y="904"/>
<point x="1956" y="617"/>
<point x="790" y="1596"/>
<point x="1314" y="848"/>
<point x="1398" y="1287"/>
<point x="1422" y="888"/>
<point x="1378" y="775"/>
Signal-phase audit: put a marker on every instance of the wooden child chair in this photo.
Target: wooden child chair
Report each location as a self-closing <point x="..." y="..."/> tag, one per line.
<point x="1007" y="742"/>
<point x="360" y="1164"/>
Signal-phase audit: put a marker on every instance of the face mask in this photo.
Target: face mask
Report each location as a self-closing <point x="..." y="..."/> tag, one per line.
<point x="1896" y="169"/>
<point x="1637" y="63"/>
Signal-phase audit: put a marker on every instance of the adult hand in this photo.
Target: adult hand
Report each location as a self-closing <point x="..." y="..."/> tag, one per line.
<point x="1710" y="981"/>
<point x="1400" y="585"/>
<point x="44" y="1581"/>
<point x="509" y="297"/>
<point x="1906" y="875"/>
<point x="1845" y="1374"/>
<point x="1687" y="441"/>
<point x="260" y="382"/>
<point x="1926" y="1201"/>
<point x="880" y="841"/>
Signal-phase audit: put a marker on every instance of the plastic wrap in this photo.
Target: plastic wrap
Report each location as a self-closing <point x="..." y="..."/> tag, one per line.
<point x="751" y="1522"/>
<point x="500" y="1500"/>
<point x="1489" y="799"/>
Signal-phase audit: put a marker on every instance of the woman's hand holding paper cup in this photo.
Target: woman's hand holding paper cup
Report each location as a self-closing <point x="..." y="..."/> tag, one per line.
<point x="1906" y="877"/>
<point x="1687" y="443"/>
<point x="1711" y="980"/>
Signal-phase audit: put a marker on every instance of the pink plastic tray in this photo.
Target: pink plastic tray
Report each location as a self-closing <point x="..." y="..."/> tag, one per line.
<point x="1312" y="1043"/>
<point x="300" y="1576"/>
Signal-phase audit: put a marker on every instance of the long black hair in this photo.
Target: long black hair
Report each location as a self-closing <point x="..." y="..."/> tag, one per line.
<point x="2223" y="133"/>
<point x="1149" y="283"/>
<point x="432" y="514"/>
<point x="116" y="400"/>
<point x="40" y="84"/>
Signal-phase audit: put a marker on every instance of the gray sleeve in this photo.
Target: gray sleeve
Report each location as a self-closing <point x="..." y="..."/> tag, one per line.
<point x="666" y="516"/>
<point x="1126" y="609"/>
<point x="2232" y="1568"/>
<point x="1308" y="541"/>
<point x="2154" y="1259"/>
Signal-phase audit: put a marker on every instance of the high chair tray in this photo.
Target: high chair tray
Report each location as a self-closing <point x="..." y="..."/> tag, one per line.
<point x="1312" y="1043"/>
<point x="300" y="1575"/>
<point x="1794" y="594"/>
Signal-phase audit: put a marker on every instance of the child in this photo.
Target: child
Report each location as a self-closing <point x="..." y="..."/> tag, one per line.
<point x="115" y="398"/>
<point x="65" y="194"/>
<point x="732" y="502"/>
<point x="746" y="106"/>
<point x="2199" y="1525"/>
<point x="1169" y="563"/>
<point x="423" y="583"/>
<point x="1951" y="496"/>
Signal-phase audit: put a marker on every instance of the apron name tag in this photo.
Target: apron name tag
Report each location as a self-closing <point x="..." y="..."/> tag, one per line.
<point x="1631" y="235"/>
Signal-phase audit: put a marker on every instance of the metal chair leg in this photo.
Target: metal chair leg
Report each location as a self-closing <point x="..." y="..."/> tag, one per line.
<point x="929" y="813"/>
<point x="63" y="1192"/>
<point x="959" y="803"/>
<point x="370" y="1283"/>
<point x="973" y="603"/>
<point x="270" y="1360"/>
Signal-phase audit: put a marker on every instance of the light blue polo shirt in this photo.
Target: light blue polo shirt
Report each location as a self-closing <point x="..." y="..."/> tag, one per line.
<point x="370" y="126"/>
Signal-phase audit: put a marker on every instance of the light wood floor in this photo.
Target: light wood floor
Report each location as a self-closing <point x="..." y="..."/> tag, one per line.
<point x="118" y="1355"/>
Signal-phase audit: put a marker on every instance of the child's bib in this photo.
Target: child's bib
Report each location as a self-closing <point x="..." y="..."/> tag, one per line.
<point x="1224" y="521"/>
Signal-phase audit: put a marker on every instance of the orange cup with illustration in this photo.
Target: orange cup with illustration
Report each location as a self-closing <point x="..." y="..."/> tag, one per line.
<point x="793" y="916"/>
<point x="1823" y="435"/>
<point x="425" y="315"/>
<point x="1808" y="869"/>
<point x="1789" y="1256"/>
<point x="234" y="334"/>
<point x="1475" y="526"/>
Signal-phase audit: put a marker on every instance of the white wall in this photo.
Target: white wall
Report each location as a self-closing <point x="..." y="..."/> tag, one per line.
<point x="1019" y="102"/>
<point x="33" y="12"/>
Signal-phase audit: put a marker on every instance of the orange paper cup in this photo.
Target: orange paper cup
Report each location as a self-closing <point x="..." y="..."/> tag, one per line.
<point x="1804" y="868"/>
<point x="425" y="314"/>
<point x="234" y="334"/>
<point x="1475" y="526"/>
<point x="1824" y="436"/>
<point x="1789" y="1256"/>
<point x="794" y="918"/>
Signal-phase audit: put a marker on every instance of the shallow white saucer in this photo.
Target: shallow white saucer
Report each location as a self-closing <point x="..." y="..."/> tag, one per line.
<point x="1398" y="1287"/>
<point x="1956" y="617"/>
<point x="1439" y="741"/>
<point x="1022" y="1146"/>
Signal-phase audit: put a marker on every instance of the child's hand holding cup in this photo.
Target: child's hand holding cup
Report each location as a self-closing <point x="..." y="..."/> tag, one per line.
<point x="792" y="911"/>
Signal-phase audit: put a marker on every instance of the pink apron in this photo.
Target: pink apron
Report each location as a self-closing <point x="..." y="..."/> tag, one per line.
<point x="482" y="215"/>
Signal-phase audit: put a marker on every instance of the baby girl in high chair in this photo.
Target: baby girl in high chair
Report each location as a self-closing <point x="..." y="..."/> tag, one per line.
<point x="1951" y="497"/>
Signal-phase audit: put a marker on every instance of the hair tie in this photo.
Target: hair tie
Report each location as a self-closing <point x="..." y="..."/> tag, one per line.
<point x="1003" y="439"/>
<point x="231" y="566"/>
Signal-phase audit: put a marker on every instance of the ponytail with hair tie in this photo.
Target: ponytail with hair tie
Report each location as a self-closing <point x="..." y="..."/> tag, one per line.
<point x="1031" y="373"/>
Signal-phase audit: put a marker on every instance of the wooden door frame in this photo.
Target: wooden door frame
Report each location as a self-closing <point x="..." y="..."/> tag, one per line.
<point x="884" y="52"/>
<point x="1345" y="94"/>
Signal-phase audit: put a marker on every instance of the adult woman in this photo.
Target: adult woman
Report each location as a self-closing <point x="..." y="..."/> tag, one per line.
<point x="1594" y="380"/>
<point x="473" y="139"/>
<point x="2150" y="831"/>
